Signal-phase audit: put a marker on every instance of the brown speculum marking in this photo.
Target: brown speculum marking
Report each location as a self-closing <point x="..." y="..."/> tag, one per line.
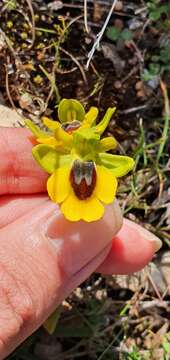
<point x="83" y="178"/>
<point x="72" y="126"/>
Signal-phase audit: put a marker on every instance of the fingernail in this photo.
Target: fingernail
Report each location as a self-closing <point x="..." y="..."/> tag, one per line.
<point x="151" y="237"/>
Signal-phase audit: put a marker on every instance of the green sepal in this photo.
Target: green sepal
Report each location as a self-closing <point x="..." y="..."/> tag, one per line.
<point x="119" y="165"/>
<point x="52" y="321"/>
<point x="65" y="160"/>
<point x="70" y="110"/>
<point x="101" y="127"/>
<point x="85" y="141"/>
<point x="47" y="157"/>
<point x="35" y="130"/>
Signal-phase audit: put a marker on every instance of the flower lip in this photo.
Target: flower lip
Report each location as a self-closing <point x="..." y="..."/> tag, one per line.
<point x="83" y="178"/>
<point x="70" y="127"/>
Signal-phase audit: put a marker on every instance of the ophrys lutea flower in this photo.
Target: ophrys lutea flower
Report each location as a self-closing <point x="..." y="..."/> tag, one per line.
<point x="82" y="173"/>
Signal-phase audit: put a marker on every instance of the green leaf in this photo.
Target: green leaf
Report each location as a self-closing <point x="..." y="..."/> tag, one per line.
<point x="70" y="110"/>
<point x="126" y="35"/>
<point x="35" y="130"/>
<point x="46" y="156"/>
<point x="113" y="33"/>
<point x="119" y="165"/>
<point x="152" y="72"/>
<point x="155" y="15"/>
<point x="157" y="11"/>
<point x="52" y="321"/>
<point x="165" y="55"/>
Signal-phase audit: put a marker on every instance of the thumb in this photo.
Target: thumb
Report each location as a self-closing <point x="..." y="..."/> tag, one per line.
<point x="42" y="258"/>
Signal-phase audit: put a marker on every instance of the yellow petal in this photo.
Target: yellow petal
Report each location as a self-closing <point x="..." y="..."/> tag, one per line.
<point x="72" y="208"/>
<point x="107" y="144"/>
<point x="58" y="184"/>
<point x="62" y="135"/>
<point x="90" y="117"/>
<point x="51" y="124"/>
<point x="106" y="185"/>
<point x="50" y="141"/>
<point x="88" y="210"/>
<point x="93" y="210"/>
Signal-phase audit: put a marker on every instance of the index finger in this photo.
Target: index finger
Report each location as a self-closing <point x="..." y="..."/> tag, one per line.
<point x="19" y="173"/>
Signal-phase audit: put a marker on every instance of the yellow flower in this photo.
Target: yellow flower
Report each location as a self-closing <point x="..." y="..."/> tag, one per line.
<point x="75" y="204"/>
<point x="83" y="175"/>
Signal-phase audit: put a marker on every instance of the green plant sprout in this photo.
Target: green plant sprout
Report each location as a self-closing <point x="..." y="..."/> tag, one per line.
<point x="83" y="176"/>
<point x="114" y="34"/>
<point x="156" y="9"/>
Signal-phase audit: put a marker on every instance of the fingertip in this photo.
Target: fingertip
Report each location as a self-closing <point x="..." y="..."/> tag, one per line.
<point x="132" y="248"/>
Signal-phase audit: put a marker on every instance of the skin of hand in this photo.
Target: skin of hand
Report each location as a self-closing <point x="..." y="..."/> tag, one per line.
<point x="43" y="257"/>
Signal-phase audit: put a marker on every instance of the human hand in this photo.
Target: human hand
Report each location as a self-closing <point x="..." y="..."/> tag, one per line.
<point x="43" y="257"/>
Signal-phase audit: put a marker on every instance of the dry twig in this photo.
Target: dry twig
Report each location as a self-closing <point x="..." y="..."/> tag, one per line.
<point x="100" y="34"/>
<point x="85" y="16"/>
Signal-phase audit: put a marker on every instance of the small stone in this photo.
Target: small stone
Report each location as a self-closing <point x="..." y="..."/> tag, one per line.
<point x="79" y="293"/>
<point x="141" y="94"/>
<point x="135" y="24"/>
<point x="88" y="40"/>
<point x="101" y="294"/>
<point x="66" y="305"/>
<point x="119" y="6"/>
<point x="117" y="84"/>
<point x="55" y="5"/>
<point x="139" y="85"/>
<point x="10" y="118"/>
